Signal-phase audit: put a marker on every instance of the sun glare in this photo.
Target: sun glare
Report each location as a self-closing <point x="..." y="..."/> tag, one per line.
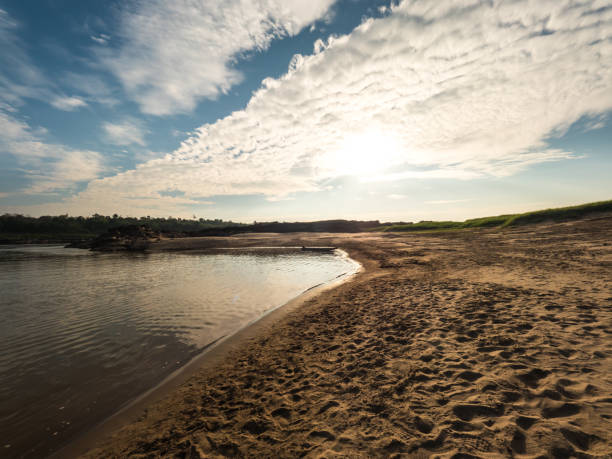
<point x="365" y="154"/>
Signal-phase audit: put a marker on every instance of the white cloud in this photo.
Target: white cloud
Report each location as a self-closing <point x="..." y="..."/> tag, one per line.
<point x="397" y="196"/>
<point x="179" y="52"/>
<point x="12" y="129"/>
<point x="451" y="92"/>
<point x="63" y="170"/>
<point x="101" y="39"/>
<point x="68" y="103"/>
<point x="48" y="167"/>
<point x="94" y="87"/>
<point x="127" y="132"/>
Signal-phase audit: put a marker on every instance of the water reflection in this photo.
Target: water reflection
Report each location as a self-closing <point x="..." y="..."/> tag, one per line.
<point x="82" y="333"/>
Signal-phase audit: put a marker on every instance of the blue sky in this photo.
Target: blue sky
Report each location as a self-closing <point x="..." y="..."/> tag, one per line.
<point x="304" y="110"/>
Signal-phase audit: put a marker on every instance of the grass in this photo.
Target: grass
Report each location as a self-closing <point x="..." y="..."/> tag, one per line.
<point x="503" y="221"/>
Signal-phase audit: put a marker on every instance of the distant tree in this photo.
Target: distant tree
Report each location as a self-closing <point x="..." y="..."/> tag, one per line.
<point x="17" y="227"/>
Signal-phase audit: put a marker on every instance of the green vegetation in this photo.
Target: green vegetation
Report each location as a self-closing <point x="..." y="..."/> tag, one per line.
<point x="62" y="228"/>
<point x="502" y="221"/>
<point x="560" y="214"/>
<point x="323" y="226"/>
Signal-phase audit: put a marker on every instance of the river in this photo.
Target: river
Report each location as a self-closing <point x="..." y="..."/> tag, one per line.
<point x="84" y="333"/>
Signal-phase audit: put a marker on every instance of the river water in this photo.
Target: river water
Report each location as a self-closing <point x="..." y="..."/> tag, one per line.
<point x="84" y="333"/>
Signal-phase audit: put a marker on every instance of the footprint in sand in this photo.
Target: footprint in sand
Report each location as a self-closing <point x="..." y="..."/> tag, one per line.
<point x="560" y="411"/>
<point x="525" y="422"/>
<point x="518" y="442"/>
<point x="282" y="412"/>
<point x="423" y="425"/>
<point x="255" y="427"/>
<point x="462" y="426"/>
<point x="327" y="406"/>
<point x="579" y="438"/>
<point x="323" y="435"/>
<point x="469" y="411"/>
<point x="533" y="377"/>
<point x="469" y="375"/>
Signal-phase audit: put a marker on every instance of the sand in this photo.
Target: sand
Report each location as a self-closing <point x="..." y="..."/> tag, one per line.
<point x="465" y="344"/>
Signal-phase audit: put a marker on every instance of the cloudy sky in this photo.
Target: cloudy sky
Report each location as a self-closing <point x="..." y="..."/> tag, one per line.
<point x="304" y="109"/>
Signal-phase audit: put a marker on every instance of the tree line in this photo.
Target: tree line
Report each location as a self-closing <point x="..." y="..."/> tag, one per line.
<point x="16" y="227"/>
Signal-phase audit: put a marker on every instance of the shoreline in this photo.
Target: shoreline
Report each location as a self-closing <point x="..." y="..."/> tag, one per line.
<point x="212" y="354"/>
<point x="470" y="344"/>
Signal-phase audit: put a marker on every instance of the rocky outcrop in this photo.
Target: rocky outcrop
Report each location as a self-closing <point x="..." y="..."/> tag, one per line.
<point x="125" y="238"/>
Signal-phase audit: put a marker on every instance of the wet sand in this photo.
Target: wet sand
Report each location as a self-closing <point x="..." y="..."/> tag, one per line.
<point x="462" y="344"/>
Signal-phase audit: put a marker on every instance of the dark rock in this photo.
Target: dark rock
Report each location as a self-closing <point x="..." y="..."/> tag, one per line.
<point x="125" y="238"/>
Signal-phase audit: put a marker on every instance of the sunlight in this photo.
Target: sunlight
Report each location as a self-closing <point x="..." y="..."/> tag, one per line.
<point x="365" y="154"/>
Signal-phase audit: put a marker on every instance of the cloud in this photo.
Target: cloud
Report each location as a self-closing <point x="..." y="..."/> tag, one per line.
<point x="127" y="132"/>
<point x="92" y="86"/>
<point x="68" y="103"/>
<point x="48" y="167"/>
<point x="12" y="129"/>
<point x="101" y="39"/>
<point x="63" y="170"/>
<point x="596" y="122"/>
<point x="437" y="90"/>
<point x="176" y="53"/>
<point x="19" y="77"/>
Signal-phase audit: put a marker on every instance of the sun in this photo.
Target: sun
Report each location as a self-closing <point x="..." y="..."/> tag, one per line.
<point x="364" y="154"/>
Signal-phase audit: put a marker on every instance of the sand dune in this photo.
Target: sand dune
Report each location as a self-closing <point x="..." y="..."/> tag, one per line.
<point x="466" y="344"/>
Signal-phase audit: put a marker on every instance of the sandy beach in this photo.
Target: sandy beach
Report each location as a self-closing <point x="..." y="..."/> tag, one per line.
<point x="489" y="343"/>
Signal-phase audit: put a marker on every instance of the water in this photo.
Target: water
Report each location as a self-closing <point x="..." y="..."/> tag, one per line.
<point x="83" y="333"/>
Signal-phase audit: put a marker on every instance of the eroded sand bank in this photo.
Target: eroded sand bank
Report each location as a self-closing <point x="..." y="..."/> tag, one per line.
<point x="488" y="343"/>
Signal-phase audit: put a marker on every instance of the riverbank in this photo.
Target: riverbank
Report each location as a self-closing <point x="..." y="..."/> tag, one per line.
<point x="213" y="354"/>
<point x="481" y="342"/>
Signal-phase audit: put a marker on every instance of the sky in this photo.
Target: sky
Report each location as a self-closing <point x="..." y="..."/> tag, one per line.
<point x="280" y="110"/>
